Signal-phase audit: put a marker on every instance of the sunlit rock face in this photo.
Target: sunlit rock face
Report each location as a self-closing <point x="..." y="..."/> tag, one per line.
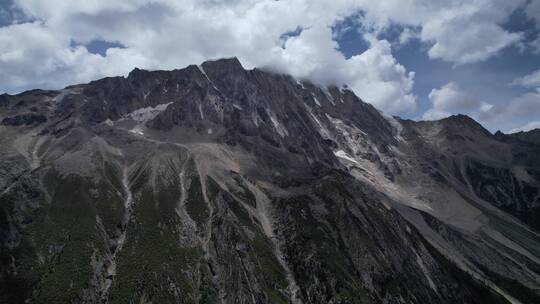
<point x="216" y="184"/>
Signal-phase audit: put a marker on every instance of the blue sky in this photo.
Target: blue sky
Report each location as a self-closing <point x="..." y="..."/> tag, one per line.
<point x="423" y="60"/>
<point x="487" y="80"/>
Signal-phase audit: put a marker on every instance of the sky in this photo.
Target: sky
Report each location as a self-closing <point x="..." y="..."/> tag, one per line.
<point x="417" y="59"/>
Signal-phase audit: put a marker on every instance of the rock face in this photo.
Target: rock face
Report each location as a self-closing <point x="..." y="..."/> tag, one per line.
<point x="216" y="184"/>
<point x="24" y="119"/>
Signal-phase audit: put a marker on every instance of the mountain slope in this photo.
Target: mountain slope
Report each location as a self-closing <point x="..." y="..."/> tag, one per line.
<point x="216" y="184"/>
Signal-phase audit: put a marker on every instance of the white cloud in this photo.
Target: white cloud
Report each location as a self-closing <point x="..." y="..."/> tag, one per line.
<point x="31" y="56"/>
<point x="455" y="44"/>
<point x="451" y="99"/>
<point x="377" y="73"/>
<point x="528" y="127"/>
<point x="521" y="109"/>
<point x="459" y="31"/>
<point x="469" y="32"/>
<point x="535" y="45"/>
<point x="533" y="10"/>
<point x="408" y="34"/>
<point x="519" y="113"/>
<point x="529" y="81"/>
<point x="168" y="34"/>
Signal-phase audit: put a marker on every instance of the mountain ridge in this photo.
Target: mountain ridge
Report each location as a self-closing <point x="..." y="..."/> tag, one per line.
<point x="257" y="188"/>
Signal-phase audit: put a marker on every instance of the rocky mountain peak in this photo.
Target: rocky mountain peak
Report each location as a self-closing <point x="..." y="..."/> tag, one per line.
<point x="531" y="136"/>
<point x="138" y="74"/>
<point x="225" y="65"/>
<point x="463" y="123"/>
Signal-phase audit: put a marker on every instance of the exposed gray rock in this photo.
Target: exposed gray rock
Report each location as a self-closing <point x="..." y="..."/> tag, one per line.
<point x="216" y="184"/>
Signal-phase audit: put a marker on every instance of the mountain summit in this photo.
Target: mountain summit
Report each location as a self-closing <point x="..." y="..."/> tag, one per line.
<point x="216" y="184"/>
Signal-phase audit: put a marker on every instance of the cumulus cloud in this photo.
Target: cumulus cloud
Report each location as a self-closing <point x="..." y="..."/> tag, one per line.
<point x="535" y="45"/>
<point x="377" y="73"/>
<point x="469" y="33"/>
<point x="533" y="10"/>
<point x="460" y="31"/>
<point x="451" y="99"/>
<point x="520" y="113"/>
<point x="527" y="127"/>
<point x="529" y="81"/>
<point x="168" y="34"/>
<point x="32" y="56"/>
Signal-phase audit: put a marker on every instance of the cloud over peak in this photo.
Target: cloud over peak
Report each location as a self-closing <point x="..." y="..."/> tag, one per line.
<point x="451" y="99"/>
<point x="529" y="81"/>
<point x="296" y="37"/>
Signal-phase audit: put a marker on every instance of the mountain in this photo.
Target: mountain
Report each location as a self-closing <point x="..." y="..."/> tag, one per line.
<point x="216" y="184"/>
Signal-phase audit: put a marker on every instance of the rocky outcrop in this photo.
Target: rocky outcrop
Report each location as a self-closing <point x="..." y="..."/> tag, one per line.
<point x="24" y="120"/>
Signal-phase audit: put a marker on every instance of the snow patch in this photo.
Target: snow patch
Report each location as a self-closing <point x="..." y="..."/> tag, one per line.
<point x="145" y="114"/>
<point x="255" y="118"/>
<point x="342" y="154"/>
<point x="202" y="70"/>
<point x="425" y="271"/>
<point x="323" y="131"/>
<point x="141" y="116"/>
<point x="300" y="84"/>
<point x="352" y="139"/>
<point x="201" y="111"/>
<point x="208" y="78"/>
<point x="137" y="130"/>
<point x="280" y="129"/>
<point x="328" y="95"/>
<point x="316" y="100"/>
<point x="63" y="93"/>
<point x="394" y="123"/>
<point x="58" y="98"/>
